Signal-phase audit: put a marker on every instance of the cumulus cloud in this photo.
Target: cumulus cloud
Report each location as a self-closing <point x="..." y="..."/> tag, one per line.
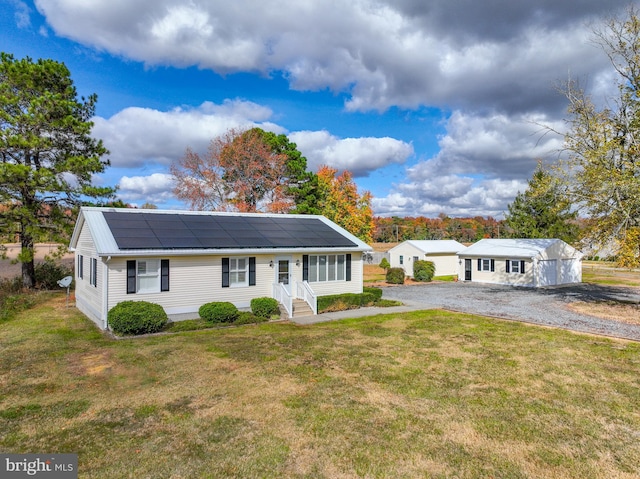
<point x="138" y="136"/>
<point x="155" y="188"/>
<point x="484" y="160"/>
<point x="360" y="156"/>
<point x="383" y="53"/>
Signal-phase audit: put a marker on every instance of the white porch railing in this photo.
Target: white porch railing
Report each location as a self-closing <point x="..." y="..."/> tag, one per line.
<point x="304" y="291"/>
<point x="283" y="296"/>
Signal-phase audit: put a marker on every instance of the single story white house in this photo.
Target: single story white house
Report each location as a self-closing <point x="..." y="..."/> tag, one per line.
<point x="183" y="259"/>
<point x="443" y="254"/>
<point x="521" y="262"/>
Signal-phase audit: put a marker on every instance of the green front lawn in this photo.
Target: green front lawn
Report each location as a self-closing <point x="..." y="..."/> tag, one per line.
<point x="424" y="394"/>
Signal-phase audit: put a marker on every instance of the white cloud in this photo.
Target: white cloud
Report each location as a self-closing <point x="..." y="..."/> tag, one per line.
<point x="138" y="136"/>
<point x="384" y="53"/>
<point x="484" y="160"/>
<point x="156" y="188"/>
<point x="22" y="14"/>
<point x="360" y="156"/>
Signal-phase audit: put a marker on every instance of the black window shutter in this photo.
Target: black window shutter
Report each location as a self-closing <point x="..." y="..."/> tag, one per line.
<point x="164" y="275"/>
<point x="225" y="272"/>
<point x="479" y="264"/>
<point x="493" y="265"/>
<point x="252" y="271"/>
<point x="348" y="272"/>
<point x="305" y="267"/>
<point x="131" y="276"/>
<point x="522" y="267"/>
<point x="508" y="265"/>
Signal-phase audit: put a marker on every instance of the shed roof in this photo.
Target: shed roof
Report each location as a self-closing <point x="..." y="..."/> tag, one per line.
<point x="512" y="248"/>
<point x="437" y="246"/>
<point x="127" y="231"/>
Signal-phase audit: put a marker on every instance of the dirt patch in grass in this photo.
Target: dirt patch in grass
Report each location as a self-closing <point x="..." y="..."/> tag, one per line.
<point x="623" y="312"/>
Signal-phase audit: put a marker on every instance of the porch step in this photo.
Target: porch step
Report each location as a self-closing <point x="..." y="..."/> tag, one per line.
<point x="300" y="309"/>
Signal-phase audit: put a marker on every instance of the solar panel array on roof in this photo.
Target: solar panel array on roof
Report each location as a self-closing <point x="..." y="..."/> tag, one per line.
<point x="188" y="231"/>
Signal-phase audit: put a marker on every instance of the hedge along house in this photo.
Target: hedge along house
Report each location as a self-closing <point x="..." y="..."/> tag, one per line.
<point x="183" y="259"/>
<point x="443" y="254"/>
<point x="521" y="262"/>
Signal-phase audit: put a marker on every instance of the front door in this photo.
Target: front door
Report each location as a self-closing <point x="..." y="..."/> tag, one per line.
<point x="283" y="273"/>
<point x="467" y="270"/>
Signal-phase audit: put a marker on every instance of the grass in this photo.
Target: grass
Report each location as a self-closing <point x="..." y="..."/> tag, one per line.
<point x="423" y="394"/>
<point x="606" y="273"/>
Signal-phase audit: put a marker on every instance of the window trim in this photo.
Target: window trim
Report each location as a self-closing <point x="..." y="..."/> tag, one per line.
<point x="93" y="272"/>
<point x="510" y="263"/>
<point x="80" y="267"/>
<point x="250" y="269"/>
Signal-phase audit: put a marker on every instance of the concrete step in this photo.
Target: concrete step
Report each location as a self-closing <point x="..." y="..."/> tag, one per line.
<point x="300" y="309"/>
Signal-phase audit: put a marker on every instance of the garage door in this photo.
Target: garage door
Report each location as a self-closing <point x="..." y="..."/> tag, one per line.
<point x="548" y="272"/>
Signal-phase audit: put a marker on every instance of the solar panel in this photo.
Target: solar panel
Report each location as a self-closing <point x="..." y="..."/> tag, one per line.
<point x="188" y="231"/>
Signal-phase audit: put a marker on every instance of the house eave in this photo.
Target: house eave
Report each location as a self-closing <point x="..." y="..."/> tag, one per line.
<point x="227" y="251"/>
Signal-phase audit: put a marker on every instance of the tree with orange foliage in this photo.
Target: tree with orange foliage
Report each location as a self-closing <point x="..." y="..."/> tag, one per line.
<point x="342" y="204"/>
<point x="240" y="172"/>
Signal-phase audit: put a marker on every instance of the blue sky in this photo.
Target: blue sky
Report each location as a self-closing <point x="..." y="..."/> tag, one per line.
<point x="434" y="106"/>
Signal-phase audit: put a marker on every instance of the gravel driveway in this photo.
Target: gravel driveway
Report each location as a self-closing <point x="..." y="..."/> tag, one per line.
<point x="534" y="305"/>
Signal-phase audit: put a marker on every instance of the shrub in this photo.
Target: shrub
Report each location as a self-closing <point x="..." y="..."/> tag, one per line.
<point x="338" y="302"/>
<point x="136" y="317"/>
<point x="265" y="307"/>
<point x="423" y="270"/>
<point x="49" y="273"/>
<point x="218" y="312"/>
<point x="395" y="276"/>
<point x="367" y="299"/>
<point x="384" y="264"/>
<point x="377" y="292"/>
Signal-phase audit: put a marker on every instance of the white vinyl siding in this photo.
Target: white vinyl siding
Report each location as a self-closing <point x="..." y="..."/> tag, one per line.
<point x="88" y="296"/>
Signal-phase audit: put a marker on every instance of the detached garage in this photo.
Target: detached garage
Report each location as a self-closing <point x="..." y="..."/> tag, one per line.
<point x="521" y="262"/>
<point x="443" y="254"/>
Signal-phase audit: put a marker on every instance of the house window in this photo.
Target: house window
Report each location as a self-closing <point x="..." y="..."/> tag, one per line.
<point x="329" y="267"/>
<point x="93" y="272"/>
<point x="147" y="276"/>
<point x="238" y="272"/>
<point x="486" y="264"/>
<point x="79" y="268"/>
<point x="415" y="258"/>
<point x="515" y="266"/>
<point x="401" y="259"/>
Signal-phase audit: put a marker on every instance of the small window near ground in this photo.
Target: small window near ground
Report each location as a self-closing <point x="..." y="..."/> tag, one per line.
<point x="401" y="259"/>
<point x="80" y="266"/>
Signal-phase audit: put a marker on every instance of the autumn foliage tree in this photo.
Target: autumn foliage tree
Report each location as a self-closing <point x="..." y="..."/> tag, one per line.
<point x="246" y="170"/>
<point x="342" y="204"/>
<point x="240" y="172"/>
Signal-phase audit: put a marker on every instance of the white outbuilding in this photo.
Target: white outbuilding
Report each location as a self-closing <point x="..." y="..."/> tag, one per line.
<point x="443" y="254"/>
<point x="521" y="262"/>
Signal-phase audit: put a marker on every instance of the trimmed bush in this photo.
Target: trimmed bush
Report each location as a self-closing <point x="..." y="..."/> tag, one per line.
<point x="265" y="307"/>
<point x="218" y="312"/>
<point x="136" y="317"/>
<point x="367" y="299"/>
<point x="377" y="292"/>
<point x="395" y="276"/>
<point x="423" y="270"/>
<point x="384" y="264"/>
<point x="338" y="302"/>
